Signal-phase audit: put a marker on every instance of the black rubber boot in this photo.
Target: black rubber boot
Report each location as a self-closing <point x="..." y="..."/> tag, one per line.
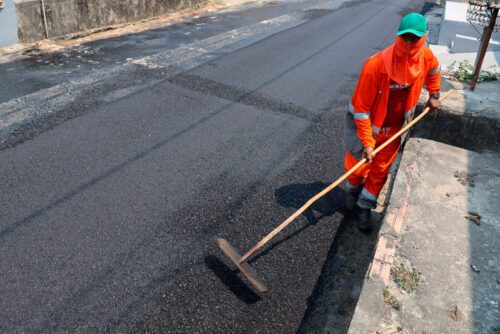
<point x="364" y="220"/>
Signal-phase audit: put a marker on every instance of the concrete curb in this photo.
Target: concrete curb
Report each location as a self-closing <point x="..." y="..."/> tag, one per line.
<point x="390" y="232"/>
<point x="378" y="274"/>
<point x="391" y="226"/>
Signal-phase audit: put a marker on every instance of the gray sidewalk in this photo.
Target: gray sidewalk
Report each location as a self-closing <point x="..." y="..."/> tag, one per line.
<point x="455" y="258"/>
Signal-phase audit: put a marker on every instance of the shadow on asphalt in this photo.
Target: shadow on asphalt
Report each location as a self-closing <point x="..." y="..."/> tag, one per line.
<point x="333" y="301"/>
<point x="331" y="306"/>
<point x="231" y="280"/>
<point x="296" y="195"/>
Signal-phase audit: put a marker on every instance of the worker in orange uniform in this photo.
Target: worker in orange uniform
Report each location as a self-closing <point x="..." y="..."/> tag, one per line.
<point x="387" y="92"/>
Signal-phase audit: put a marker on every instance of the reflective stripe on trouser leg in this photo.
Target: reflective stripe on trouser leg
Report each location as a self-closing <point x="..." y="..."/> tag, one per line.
<point x="379" y="169"/>
<point x="356" y="189"/>
<point x="366" y="200"/>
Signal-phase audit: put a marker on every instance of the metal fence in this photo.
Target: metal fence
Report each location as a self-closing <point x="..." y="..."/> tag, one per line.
<point x="479" y="12"/>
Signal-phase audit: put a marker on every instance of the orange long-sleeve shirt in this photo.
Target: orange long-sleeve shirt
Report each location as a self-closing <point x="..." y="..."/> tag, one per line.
<point x="370" y="99"/>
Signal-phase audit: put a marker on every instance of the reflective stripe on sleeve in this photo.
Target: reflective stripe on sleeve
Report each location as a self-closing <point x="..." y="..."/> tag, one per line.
<point x="358" y="115"/>
<point x="361" y="115"/>
<point x="433" y="71"/>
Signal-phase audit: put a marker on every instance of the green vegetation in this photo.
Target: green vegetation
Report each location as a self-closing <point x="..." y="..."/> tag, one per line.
<point x="465" y="70"/>
<point x="406" y="278"/>
<point x="391" y="300"/>
<point x="464" y="178"/>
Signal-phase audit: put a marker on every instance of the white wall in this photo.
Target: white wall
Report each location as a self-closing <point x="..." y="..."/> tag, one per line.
<point x="8" y="24"/>
<point x="458" y="34"/>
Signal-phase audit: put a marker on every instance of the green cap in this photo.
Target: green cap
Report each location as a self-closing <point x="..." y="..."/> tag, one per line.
<point x="413" y="23"/>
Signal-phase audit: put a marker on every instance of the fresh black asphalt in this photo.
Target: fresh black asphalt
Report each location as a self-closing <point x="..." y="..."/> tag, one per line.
<point x="110" y="216"/>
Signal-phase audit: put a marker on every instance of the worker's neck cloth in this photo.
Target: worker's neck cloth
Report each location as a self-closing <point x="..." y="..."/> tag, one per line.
<point x="404" y="61"/>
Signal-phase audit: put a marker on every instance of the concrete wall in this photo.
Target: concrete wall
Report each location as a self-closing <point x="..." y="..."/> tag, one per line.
<point x="72" y="16"/>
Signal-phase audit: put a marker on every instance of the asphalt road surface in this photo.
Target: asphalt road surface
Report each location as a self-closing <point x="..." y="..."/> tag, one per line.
<point x="111" y="206"/>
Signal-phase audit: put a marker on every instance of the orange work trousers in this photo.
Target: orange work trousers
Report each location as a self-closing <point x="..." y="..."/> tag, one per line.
<point x="369" y="179"/>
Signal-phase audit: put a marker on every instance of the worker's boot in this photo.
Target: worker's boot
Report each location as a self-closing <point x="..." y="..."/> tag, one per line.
<point x="350" y="200"/>
<point x="352" y="195"/>
<point x="364" y="220"/>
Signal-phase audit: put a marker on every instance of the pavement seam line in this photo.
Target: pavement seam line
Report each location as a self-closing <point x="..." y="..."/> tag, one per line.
<point x="16" y="112"/>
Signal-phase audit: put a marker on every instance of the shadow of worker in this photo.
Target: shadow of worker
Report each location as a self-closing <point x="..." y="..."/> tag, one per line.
<point x="296" y="195"/>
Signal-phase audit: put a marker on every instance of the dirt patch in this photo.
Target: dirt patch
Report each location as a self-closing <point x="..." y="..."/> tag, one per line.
<point x="456" y="314"/>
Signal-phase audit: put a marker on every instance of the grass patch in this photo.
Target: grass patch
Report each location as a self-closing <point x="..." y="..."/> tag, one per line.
<point x="389" y="299"/>
<point x="496" y="330"/>
<point x="464" y="71"/>
<point x="406" y="278"/>
<point x="464" y="178"/>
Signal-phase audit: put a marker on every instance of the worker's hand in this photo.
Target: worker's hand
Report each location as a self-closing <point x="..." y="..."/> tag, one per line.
<point x="367" y="153"/>
<point x="433" y="104"/>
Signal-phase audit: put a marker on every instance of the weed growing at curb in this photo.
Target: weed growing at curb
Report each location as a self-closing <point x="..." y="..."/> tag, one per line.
<point x="495" y="330"/>
<point x="465" y="71"/>
<point x="389" y="299"/>
<point x="464" y="178"/>
<point x="406" y="278"/>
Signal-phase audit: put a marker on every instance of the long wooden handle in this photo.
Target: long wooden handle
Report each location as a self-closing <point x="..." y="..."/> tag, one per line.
<point x="297" y="213"/>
